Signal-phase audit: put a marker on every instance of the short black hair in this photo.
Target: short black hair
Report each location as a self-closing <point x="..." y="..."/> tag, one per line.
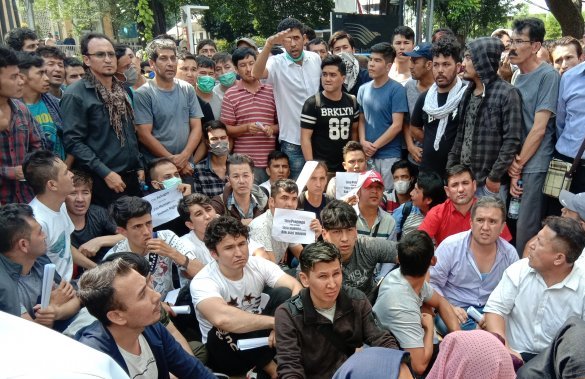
<point x="334" y="60"/>
<point x="84" y="43"/>
<point x="221" y="57"/>
<point x="339" y="35"/>
<point x="275" y="155"/>
<point x="120" y="50"/>
<point x="404" y="31"/>
<point x="82" y="178"/>
<point x="16" y="37"/>
<point x="221" y="227"/>
<point x="158" y="162"/>
<point x="386" y="50"/>
<point x="242" y="53"/>
<point x="569" y="239"/>
<point x="38" y="168"/>
<point x="146" y="64"/>
<point x="28" y="60"/>
<point x="317" y="252"/>
<point x="50" y="52"/>
<point x="440" y="33"/>
<point x="203" y="61"/>
<point x="128" y="207"/>
<point x="290" y="23"/>
<point x="236" y="159"/>
<point x="7" y="57"/>
<point x="352" y="146"/>
<point x="568" y="41"/>
<point x="338" y="214"/>
<point x="204" y="42"/>
<point x="189" y="200"/>
<point x="72" y="62"/>
<point x="447" y="47"/>
<point x="431" y="185"/>
<point x="458" y="169"/>
<point x="309" y="32"/>
<point x="162" y="42"/>
<point x="14" y="225"/>
<point x="415" y="252"/>
<point x="276" y="50"/>
<point x="212" y="125"/>
<point x="286" y="185"/>
<point x="185" y="55"/>
<point x="404" y="163"/>
<point x="317" y="41"/>
<point x="536" y="30"/>
<point x="137" y="262"/>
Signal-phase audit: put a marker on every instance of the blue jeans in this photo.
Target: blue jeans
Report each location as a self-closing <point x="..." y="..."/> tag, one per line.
<point x="470" y="324"/>
<point x="296" y="159"/>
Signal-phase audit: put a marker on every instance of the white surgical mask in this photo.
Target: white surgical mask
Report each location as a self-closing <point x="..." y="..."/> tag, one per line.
<point x="401" y="186"/>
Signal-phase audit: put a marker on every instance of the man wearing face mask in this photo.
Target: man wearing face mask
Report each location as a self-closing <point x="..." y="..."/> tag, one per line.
<point x="210" y="174"/>
<point x="224" y="72"/>
<point x="167" y="112"/>
<point x="204" y="84"/>
<point x="126" y="71"/>
<point x="404" y="175"/>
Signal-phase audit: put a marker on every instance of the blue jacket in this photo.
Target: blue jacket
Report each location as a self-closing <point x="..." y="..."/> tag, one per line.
<point x="169" y="355"/>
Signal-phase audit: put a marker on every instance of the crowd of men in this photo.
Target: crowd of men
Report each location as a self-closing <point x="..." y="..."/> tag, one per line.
<point x="415" y="275"/>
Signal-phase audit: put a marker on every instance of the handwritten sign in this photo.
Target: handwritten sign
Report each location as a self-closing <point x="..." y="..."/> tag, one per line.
<point x="345" y="182"/>
<point x="305" y="174"/>
<point x="293" y="226"/>
<point x="164" y="205"/>
<point x="362" y="178"/>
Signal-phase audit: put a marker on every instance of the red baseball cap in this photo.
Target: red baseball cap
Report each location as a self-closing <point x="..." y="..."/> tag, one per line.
<point x="374" y="177"/>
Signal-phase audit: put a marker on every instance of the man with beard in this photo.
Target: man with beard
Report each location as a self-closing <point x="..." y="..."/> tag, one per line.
<point x="435" y="116"/>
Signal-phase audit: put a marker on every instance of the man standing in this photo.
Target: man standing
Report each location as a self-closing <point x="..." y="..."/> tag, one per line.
<point x="54" y="67"/>
<point x="435" y="116"/>
<point x="319" y="46"/>
<point x="162" y="130"/>
<point x="227" y="294"/>
<point x="402" y="42"/>
<point x="128" y="311"/>
<point x="342" y="42"/>
<point x="471" y="263"/>
<point x="19" y="134"/>
<point x="538" y="84"/>
<point x="22" y="39"/>
<point x="295" y="76"/>
<point x="383" y="104"/>
<point x="99" y="125"/>
<point x="329" y="119"/>
<point x="303" y="348"/>
<point x="490" y="119"/>
<point x="249" y="113"/>
<point x="538" y="294"/>
<point x="73" y="71"/>
<point x="567" y="53"/>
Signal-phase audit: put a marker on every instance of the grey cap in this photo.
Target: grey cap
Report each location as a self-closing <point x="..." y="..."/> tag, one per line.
<point x="247" y="40"/>
<point x="573" y="202"/>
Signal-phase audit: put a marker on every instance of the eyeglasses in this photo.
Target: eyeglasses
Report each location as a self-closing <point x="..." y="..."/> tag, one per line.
<point x="103" y="54"/>
<point x="519" y="42"/>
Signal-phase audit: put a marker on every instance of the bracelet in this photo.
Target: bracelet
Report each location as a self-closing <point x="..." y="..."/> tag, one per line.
<point x="186" y="262"/>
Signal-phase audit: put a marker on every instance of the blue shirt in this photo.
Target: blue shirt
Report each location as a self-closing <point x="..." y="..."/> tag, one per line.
<point x="456" y="276"/>
<point x="571" y="111"/>
<point x="378" y="105"/>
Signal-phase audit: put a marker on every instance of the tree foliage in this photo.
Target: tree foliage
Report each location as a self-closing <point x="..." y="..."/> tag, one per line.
<point x="568" y="13"/>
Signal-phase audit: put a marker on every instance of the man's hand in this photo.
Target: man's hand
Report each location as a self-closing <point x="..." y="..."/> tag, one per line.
<point x="18" y="173"/>
<point x="180" y="160"/>
<point x="254" y="129"/>
<point x="272" y="339"/>
<point x="115" y="182"/>
<point x="427" y="322"/>
<point x="316" y="227"/>
<point x="515" y="169"/>
<point x="185" y="189"/>
<point x="351" y="200"/>
<point x="62" y="294"/>
<point x="167" y="307"/>
<point x="268" y="130"/>
<point x="515" y="189"/>
<point x="505" y="70"/>
<point x="460" y="313"/>
<point x="160" y="247"/>
<point x="277" y="39"/>
<point x="493" y="187"/>
<point x="369" y="148"/>
<point x="482" y="324"/>
<point x="416" y="153"/>
<point x="140" y="175"/>
<point x="46" y="316"/>
<point x="90" y="248"/>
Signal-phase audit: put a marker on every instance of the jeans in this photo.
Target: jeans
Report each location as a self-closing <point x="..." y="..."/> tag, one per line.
<point x="470" y="324"/>
<point x="384" y="166"/>
<point x="295" y="158"/>
<point x="532" y="209"/>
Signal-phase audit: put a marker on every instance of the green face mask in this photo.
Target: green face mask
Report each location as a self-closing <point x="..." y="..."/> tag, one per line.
<point x="228" y="79"/>
<point x="205" y="83"/>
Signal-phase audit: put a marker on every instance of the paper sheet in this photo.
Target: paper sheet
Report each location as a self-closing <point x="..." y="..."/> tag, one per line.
<point x="362" y="178"/>
<point x="164" y="205"/>
<point x="172" y="296"/>
<point x="48" y="278"/>
<point x="345" y="182"/>
<point x="305" y="174"/>
<point x="181" y="309"/>
<point x="252" y="343"/>
<point x="293" y="226"/>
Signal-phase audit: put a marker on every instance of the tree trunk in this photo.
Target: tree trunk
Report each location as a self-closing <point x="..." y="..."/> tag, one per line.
<point x="159" y="18"/>
<point x="568" y="14"/>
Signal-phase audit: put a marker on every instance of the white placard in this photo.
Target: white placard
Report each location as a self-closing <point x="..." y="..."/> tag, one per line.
<point x="252" y="343"/>
<point x="181" y="309"/>
<point x="164" y="205"/>
<point x="362" y="178"/>
<point x="305" y="174"/>
<point x="345" y="182"/>
<point x="172" y="296"/>
<point x="47" y="287"/>
<point x="292" y="226"/>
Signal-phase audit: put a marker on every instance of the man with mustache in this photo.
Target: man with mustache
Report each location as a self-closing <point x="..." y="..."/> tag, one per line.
<point x="538" y="84"/>
<point x="435" y="116"/>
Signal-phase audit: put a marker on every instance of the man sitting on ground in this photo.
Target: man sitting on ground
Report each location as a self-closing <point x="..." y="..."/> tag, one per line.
<point x="373" y="221"/>
<point x="227" y="298"/>
<point x="402" y="294"/>
<point x="128" y="311"/>
<point x="196" y="212"/>
<point x="354" y="160"/>
<point x="277" y="168"/>
<point x="303" y="348"/>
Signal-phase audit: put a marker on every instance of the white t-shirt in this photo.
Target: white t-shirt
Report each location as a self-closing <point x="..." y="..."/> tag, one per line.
<point x="162" y="273"/>
<point x="200" y="250"/>
<point x="267" y="185"/>
<point x="244" y="294"/>
<point x="141" y="366"/>
<point x="261" y="232"/>
<point x="58" y="228"/>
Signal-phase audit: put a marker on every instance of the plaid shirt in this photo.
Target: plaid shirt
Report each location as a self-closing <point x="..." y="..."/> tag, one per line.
<point x="206" y="181"/>
<point x="498" y="125"/>
<point x="21" y="137"/>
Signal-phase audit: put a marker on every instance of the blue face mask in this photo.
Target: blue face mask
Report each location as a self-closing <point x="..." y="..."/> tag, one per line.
<point x="228" y="79"/>
<point x="171" y="183"/>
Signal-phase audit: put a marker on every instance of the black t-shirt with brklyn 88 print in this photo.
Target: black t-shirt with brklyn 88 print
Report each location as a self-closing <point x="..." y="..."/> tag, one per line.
<point x="331" y="122"/>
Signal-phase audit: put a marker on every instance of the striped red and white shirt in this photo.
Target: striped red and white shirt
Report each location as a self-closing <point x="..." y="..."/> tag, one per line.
<point x="241" y="106"/>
